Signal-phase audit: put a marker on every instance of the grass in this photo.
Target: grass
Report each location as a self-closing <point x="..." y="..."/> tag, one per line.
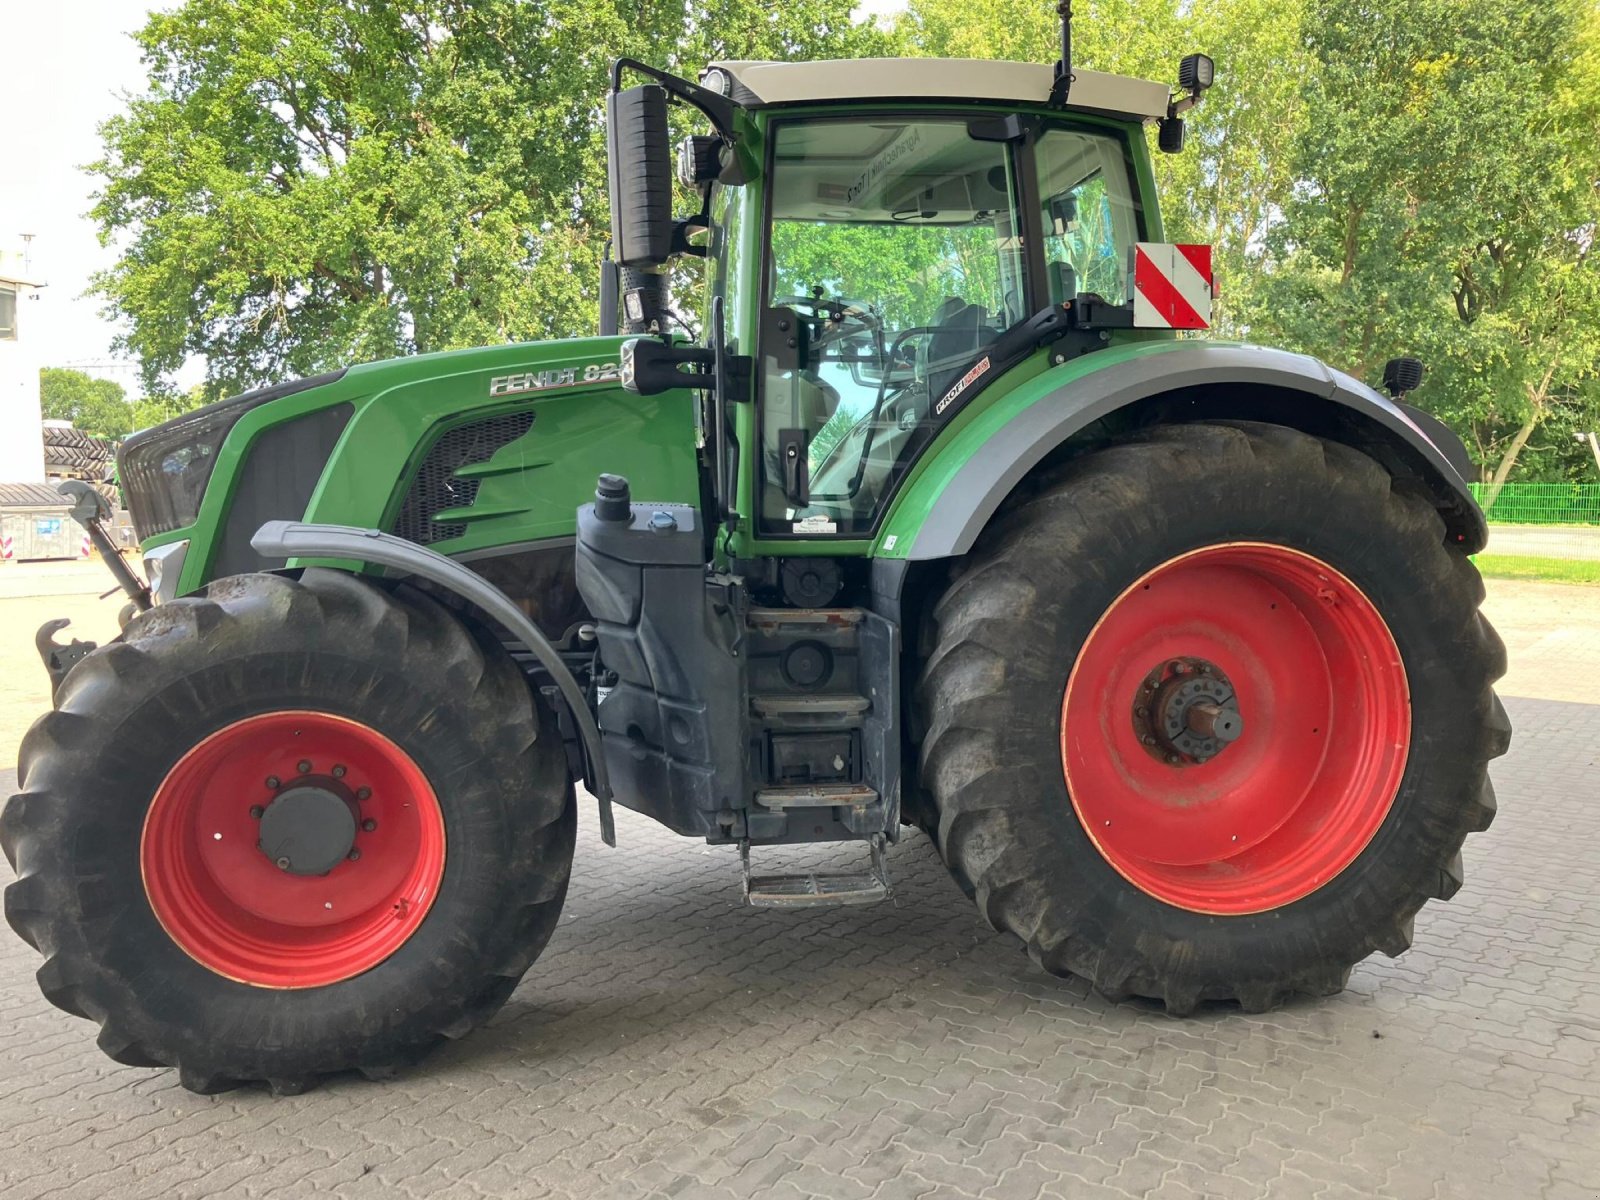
<point x="1559" y="570"/>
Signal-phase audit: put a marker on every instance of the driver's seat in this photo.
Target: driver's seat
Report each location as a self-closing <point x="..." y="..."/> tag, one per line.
<point x="962" y="330"/>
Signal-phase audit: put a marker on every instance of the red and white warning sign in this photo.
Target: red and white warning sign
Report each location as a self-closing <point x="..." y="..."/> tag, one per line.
<point x="1171" y="286"/>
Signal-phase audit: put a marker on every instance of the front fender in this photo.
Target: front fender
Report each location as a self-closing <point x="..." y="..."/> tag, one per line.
<point x="370" y="547"/>
<point x="955" y="491"/>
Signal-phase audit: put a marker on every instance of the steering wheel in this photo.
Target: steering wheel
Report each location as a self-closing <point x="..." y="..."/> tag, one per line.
<point x="834" y="319"/>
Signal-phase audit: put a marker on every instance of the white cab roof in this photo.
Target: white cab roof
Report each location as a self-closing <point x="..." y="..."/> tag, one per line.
<point x="941" y="79"/>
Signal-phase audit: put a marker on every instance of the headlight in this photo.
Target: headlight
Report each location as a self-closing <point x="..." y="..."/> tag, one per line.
<point x="164" y="470"/>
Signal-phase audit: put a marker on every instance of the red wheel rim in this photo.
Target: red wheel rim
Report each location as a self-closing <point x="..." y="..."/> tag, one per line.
<point x="233" y="909"/>
<point x="1327" y="720"/>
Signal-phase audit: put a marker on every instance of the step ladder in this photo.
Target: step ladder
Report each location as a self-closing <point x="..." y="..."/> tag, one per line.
<point x="818" y="888"/>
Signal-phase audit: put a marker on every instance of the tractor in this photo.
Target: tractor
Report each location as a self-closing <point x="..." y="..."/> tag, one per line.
<point x="932" y="512"/>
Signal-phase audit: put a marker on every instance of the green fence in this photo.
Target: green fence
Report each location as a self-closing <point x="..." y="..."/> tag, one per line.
<point x="1543" y="531"/>
<point x="1543" y="503"/>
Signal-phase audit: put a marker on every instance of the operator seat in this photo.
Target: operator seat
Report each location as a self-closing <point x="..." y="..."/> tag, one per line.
<point x="961" y="330"/>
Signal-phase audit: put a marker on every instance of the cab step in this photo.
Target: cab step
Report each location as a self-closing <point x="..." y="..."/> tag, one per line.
<point x="817" y="795"/>
<point x="815" y="889"/>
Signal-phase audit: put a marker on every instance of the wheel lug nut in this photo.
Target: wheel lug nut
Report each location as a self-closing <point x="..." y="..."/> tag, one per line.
<point x="273" y="782"/>
<point x="1148" y="740"/>
<point x="363" y="793"/>
<point x="354" y="855"/>
<point x="338" y="772"/>
<point x="369" y="824"/>
<point x="1142" y="711"/>
<point x="305" y="766"/>
<point x="283" y="864"/>
<point x="256" y="810"/>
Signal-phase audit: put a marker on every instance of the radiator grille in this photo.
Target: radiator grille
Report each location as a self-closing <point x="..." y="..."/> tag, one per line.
<point x="436" y="487"/>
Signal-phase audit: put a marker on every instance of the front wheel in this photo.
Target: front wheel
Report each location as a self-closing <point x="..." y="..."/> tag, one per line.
<point x="286" y="828"/>
<point x="1209" y="715"/>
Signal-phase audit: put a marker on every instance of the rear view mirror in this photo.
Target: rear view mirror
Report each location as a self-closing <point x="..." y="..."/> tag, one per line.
<point x="640" y="161"/>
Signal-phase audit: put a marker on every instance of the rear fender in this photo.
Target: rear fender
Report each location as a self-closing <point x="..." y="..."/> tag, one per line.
<point x="952" y="497"/>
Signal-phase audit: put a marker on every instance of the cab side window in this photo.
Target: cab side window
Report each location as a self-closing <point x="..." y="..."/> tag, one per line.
<point x="1092" y="215"/>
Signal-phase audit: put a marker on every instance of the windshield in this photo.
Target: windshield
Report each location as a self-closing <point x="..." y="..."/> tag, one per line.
<point x="894" y="242"/>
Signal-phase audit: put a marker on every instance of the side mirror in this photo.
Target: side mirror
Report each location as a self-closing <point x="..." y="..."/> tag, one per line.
<point x="639" y="158"/>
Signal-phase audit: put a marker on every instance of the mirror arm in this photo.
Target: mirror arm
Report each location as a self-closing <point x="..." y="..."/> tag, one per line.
<point x="680" y="237"/>
<point x="719" y="109"/>
<point x="609" y="294"/>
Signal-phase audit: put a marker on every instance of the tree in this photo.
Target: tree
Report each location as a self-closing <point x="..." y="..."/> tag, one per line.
<point x="1229" y="184"/>
<point x="1377" y="176"/>
<point x="96" y="406"/>
<point x="165" y="404"/>
<point x="308" y="182"/>
<point x="1444" y="202"/>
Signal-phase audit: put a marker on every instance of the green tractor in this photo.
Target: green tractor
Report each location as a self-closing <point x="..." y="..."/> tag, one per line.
<point x="929" y="516"/>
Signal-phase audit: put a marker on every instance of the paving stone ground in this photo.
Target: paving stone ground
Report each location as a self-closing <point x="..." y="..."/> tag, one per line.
<point x="673" y="1043"/>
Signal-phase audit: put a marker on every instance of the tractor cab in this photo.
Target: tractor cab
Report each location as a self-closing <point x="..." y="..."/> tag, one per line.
<point x="885" y="239"/>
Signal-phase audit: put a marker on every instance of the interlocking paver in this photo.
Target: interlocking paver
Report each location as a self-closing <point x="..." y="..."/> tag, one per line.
<point x="673" y="1043"/>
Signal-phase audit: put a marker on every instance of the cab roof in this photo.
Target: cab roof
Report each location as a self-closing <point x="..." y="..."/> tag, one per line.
<point x="759" y="84"/>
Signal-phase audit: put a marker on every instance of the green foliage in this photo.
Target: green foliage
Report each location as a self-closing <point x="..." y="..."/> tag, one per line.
<point x="164" y="404"/>
<point x="1445" y="203"/>
<point x="832" y="432"/>
<point x="1378" y="177"/>
<point x="98" y="407"/>
<point x="308" y="182"/>
<point x="101" y="407"/>
<point x="904" y="271"/>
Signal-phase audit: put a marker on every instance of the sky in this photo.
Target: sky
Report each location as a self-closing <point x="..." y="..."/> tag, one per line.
<point x="64" y="66"/>
<point x="62" y="69"/>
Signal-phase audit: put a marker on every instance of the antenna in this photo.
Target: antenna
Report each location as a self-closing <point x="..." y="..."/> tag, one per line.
<point x="1063" y="84"/>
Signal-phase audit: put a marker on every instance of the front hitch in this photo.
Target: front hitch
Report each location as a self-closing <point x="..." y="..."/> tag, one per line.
<point x="89" y="509"/>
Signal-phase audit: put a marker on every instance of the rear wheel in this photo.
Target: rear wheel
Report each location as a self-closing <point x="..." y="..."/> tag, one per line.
<point x="1209" y="715"/>
<point x="286" y="828"/>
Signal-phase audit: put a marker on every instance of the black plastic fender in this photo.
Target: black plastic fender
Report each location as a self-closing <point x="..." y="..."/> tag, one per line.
<point x="297" y="539"/>
<point x="1198" y="369"/>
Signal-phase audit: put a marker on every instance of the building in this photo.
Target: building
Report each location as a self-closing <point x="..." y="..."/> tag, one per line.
<point x="21" y="430"/>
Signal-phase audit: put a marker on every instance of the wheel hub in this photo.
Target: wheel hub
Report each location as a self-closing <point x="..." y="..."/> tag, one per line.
<point x="293" y="848"/>
<point x="309" y="828"/>
<point x="1276" y="813"/>
<point x="1186" y="712"/>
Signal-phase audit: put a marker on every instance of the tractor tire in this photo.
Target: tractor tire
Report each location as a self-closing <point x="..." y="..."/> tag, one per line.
<point x="1246" y="569"/>
<point x="285" y="828"/>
